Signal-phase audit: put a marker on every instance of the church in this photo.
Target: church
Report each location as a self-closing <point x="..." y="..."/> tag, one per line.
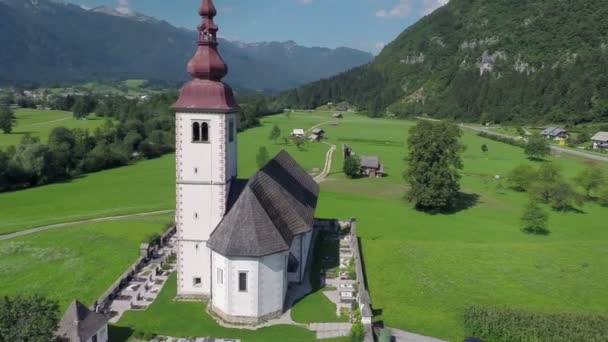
<point x="241" y="243"/>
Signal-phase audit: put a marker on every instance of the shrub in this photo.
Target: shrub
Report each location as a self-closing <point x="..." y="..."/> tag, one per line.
<point x="357" y="333"/>
<point x="352" y="167"/>
<point x="503" y="324"/>
<point x="510" y="141"/>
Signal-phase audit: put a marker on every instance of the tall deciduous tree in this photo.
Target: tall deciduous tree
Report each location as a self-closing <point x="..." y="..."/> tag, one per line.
<point x="275" y="133"/>
<point x="434" y="162"/>
<point x="522" y="177"/>
<point x="32" y="319"/>
<point x="537" y="147"/>
<point x="262" y="156"/>
<point x="590" y="179"/>
<point x="534" y="220"/>
<point x="7" y="119"/>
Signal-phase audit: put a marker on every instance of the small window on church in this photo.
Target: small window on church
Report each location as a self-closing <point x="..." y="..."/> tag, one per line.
<point x="205" y="132"/>
<point x="198" y="282"/>
<point x="231" y="130"/>
<point x="242" y="281"/>
<point x="195" y="216"/>
<point x="196" y="132"/>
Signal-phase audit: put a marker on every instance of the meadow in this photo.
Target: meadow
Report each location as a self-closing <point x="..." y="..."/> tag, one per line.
<point x="422" y="269"/>
<point x="75" y="262"/>
<point x="40" y="123"/>
<point x="144" y="187"/>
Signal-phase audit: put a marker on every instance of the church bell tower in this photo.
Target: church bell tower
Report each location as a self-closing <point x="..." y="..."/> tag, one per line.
<point x="206" y="151"/>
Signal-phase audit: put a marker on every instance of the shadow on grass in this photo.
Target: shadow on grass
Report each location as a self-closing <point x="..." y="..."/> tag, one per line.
<point x="537" y="231"/>
<point x="571" y="210"/>
<point x="119" y="334"/>
<point x="463" y="202"/>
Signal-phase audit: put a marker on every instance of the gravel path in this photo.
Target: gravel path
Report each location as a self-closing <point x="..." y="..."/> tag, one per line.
<point x="328" y="161"/>
<point x="74" y="223"/>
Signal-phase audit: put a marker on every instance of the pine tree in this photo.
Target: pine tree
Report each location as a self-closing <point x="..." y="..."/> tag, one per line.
<point x="7" y="119"/>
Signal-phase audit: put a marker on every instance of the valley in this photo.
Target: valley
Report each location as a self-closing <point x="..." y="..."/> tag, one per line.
<point x="422" y="269"/>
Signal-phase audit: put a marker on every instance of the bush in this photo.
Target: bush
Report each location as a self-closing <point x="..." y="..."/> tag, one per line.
<point x="510" y="141"/>
<point x="501" y="324"/>
<point x="357" y="333"/>
<point x="352" y="167"/>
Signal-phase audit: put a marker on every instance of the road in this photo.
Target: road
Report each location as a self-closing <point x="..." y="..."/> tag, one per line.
<point x="553" y="148"/>
<point x="74" y="223"/>
<point x="328" y="160"/>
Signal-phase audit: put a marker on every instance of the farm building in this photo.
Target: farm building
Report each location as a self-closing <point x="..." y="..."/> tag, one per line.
<point x="338" y="116"/>
<point x="371" y="167"/>
<point x="318" y="131"/>
<point x="314" y="137"/>
<point x="555" y="133"/>
<point x="79" y="324"/>
<point x="298" y="132"/>
<point x="600" y="140"/>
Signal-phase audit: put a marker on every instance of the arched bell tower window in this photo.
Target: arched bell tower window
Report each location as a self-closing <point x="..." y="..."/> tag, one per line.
<point x="204" y="132"/>
<point x="200" y="132"/>
<point x="196" y="132"/>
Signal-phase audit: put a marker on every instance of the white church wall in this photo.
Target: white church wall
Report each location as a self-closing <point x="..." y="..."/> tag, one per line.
<point x="272" y="286"/>
<point x="194" y="262"/>
<point x="202" y="191"/>
<point x="306" y="242"/>
<point x="266" y="286"/>
<point x="300" y="247"/>
<point x="295" y="249"/>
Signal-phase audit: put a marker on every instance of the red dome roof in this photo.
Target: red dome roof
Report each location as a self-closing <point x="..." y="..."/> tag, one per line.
<point x="207" y="91"/>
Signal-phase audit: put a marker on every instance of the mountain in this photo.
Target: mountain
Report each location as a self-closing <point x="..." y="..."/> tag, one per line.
<point x="485" y="60"/>
<point x="46" y="41"/>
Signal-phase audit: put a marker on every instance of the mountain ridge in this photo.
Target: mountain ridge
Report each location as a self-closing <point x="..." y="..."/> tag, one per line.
<point x="58" y="42"/>
<point x="485" y="61"/>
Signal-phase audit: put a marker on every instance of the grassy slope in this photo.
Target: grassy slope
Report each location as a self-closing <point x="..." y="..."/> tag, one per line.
<point x="40" y="123"/>
<point x="76" y="262"/>
<point x="146" y="186"/>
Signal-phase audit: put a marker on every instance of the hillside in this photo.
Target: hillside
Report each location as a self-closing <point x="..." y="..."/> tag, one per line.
<point x="46" y="42"/>
<point x="485" y="60"/>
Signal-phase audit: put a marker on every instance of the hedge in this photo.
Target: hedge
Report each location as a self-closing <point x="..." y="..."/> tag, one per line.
<point x="501" y="324"/>
<point x="510" y="141"/>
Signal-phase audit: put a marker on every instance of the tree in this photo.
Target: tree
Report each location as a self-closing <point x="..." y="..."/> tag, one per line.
<point x="28" y="319"/>
<point x="262" y="156"/>
<point x="299" y="142"/>
<point x="544" y="185"/>
<point x="275" y="133"/>
<point x="7" y="119"/>
<point x="590" y="179"/>
<point x="534" y="220"/>
<point x="434" y="161"/>
<point x="563" y="197"/>
<point x="521" y="178"/>
<point x="537" y="147"/>
<point x="521" y="131"/>
<point x="484" y="148"/>
<point x="352" y="166"/>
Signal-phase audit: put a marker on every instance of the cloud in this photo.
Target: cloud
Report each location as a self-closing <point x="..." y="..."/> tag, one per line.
<point x="405" y="8"/>
<point x="124" y="7"/>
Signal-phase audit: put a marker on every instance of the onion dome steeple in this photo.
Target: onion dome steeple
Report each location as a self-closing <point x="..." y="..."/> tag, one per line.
<point x="207" y="91"/>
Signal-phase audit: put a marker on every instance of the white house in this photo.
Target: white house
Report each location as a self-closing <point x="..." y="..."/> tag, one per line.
<point x="79" y="324"/>
<point x="600" y="140"/>
<point x="240" y="242"/>
<point x="298" y="132"/>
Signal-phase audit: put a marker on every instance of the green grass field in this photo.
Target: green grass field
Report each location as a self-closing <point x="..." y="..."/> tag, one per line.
<point x="182" y="319"/>
<point x="423" y="270"/>
<point x="40" y="123"/>
<point x="144" y="187"/>
<point x="76" y="262"/>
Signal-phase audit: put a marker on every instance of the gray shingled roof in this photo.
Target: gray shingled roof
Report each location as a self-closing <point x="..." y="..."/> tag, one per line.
<point x="277" y="204"/>
<point x="370" y="162"/>
<point x="554" y="131"/>
<point x="79" y="323"/>
<point x="600" y="136"/>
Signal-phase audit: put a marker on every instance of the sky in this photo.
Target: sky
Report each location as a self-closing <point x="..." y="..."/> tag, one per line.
<point x="362" y="24"/>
